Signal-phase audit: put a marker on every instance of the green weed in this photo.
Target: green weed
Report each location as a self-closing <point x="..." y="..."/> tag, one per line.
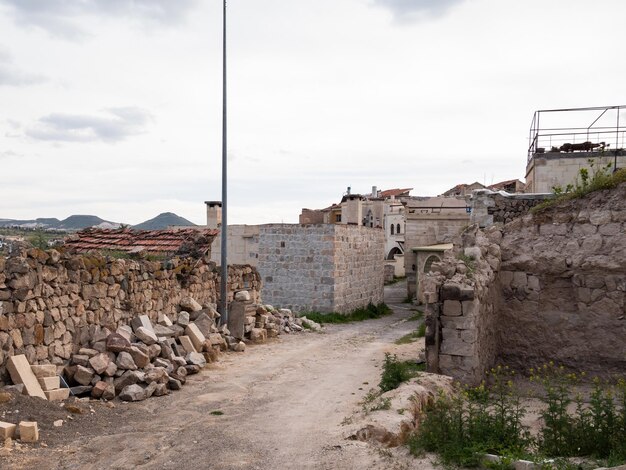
<point x="395" y="372"/>
<point x="600" y="178"/>
<point x="368" y="313"/>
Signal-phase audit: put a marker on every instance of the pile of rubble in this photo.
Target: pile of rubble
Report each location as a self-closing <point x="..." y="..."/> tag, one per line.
<point x="143" y="359"/>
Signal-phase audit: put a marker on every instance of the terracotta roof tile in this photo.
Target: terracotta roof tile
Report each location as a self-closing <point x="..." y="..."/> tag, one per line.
<point x="152" y="241"/>
<point x="394" y="192"/>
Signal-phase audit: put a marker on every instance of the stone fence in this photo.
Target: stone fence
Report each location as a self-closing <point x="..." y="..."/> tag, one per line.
<point x="489" y="207"/>
<point x="53" y="303"/>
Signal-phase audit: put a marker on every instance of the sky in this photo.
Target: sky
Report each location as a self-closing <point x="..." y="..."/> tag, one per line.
<point x="113" y="107"/>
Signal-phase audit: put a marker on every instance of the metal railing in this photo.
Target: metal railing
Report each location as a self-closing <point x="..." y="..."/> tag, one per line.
<point x="605" y="131"/>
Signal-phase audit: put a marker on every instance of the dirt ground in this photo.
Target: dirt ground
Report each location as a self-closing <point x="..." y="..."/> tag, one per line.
<point x="280" y="405"/>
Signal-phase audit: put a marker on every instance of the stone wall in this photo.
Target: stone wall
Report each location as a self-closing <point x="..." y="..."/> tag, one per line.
<point x="359" y="254"/>
<point x="51" y="303"/>
<point x="489" y="207"/>
<point x="323" y="267"/>
<point x="546" y="287"/>
<point x="242" y="245"/>
<point x="563" y="279"/>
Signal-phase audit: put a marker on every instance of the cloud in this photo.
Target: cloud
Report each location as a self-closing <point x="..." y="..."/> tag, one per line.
<point x="7" y="154"/>
<point x="116" y="124"/>
<point x="11" y="76"/>
<point x="60" y="17"/>
<point x="405" y="11"/>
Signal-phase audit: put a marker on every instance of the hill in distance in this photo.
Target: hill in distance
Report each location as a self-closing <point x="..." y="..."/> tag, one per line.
<point x="163" y="221"/>
<point x="73" y="222"/>
<point x="78" y="222"/>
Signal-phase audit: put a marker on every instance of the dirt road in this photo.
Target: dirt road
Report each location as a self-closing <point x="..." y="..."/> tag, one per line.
<point x="279" y="405"/>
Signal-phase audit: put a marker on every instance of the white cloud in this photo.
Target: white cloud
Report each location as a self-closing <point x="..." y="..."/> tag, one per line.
<point x="114" y="125"/>
<point x="411" y="10"/>
<point x="62" y="17"/>
<point x="10" y="75"/>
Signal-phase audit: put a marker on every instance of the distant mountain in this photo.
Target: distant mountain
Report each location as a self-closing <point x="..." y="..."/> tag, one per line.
<point x="78" y="222"/>
<point x="41" y="222"/>
<point x="73" y="222"/>
<point x="163" y="221"/>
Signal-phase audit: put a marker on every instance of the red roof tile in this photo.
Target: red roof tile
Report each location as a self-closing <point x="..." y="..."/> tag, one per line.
<point x="152" y="241"/>
<point x="395" y="192"/>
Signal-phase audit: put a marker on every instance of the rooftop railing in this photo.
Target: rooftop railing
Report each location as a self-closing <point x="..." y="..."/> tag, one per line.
<point x="591" y="129"/>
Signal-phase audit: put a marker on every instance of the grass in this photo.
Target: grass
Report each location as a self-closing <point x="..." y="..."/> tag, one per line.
<point x="368" y="313"/>
<point x="395" y="372"/>
<point x="217" y="413"/>
<point x="602" y="178"/>
<point x="416" y="316"/>
<point x="463" y="426"/>
<point x="396" y="279"/>
<point x="408" y="338"/>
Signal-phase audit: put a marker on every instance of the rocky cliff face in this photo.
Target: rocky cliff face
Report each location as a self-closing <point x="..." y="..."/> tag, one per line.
<point x="547" y="286"/>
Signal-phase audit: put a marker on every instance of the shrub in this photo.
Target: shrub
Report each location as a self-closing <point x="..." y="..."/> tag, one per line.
<point x="395" y="372"/>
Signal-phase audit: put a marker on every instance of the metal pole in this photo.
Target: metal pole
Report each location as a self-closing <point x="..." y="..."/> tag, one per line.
<point x="224" y="261"/>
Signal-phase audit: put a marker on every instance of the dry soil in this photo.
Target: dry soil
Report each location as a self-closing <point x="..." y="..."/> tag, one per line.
<point x="279" y="405"/>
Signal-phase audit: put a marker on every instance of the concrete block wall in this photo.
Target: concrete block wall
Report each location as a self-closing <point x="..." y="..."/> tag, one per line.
<point x="321" y="267"/>
<point x="359" y="267"/>
<point x="544" y="171"/>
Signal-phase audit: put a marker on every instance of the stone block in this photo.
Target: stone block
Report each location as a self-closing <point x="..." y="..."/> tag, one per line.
<point x="459" y="323"/>
<point x="7" y="430"/>
<point x="471" y="308"/>
<point x="187" y="344"/>
<point x="29" y="431"/>
<point x="456" y="347"/>
<point x="21" y="373"/>
<point x="237" y="318"/>
<point x="164" y="320"/>
<point x="141" y="321"/>
<point x="195" y="335"/>
<point x="125" y="361"/>
<point x="533" y="282"/>
<point x="519" y="280"/>
<point x="58" y="394"/>
<point x="450" y="291"/>
<point x="83" y="375"/>
<point x="258" y="335"/>
<point x="49" y="383"/>
<point x="116" y="342"/>
<point x="44" y="370"/>
<point x="146" y="336"/>
<point x="100" y="362"/>
<point x="452" y="308"/>
<point x="242" y="296"/>
<point x="190" y="305"/>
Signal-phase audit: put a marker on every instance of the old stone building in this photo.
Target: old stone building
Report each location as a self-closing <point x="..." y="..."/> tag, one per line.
<point x="382" y="209"/>
<point x="431" y="221"/>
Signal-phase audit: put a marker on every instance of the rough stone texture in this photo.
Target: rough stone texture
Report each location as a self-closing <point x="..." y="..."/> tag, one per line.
<point x="548" y="287"/>
<point x="133" y="393"/>
<point x="322" y="267"/>
<point x="489" y="207"/>
<point x="52" y="306"/>
<point x="146" y="336"/>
